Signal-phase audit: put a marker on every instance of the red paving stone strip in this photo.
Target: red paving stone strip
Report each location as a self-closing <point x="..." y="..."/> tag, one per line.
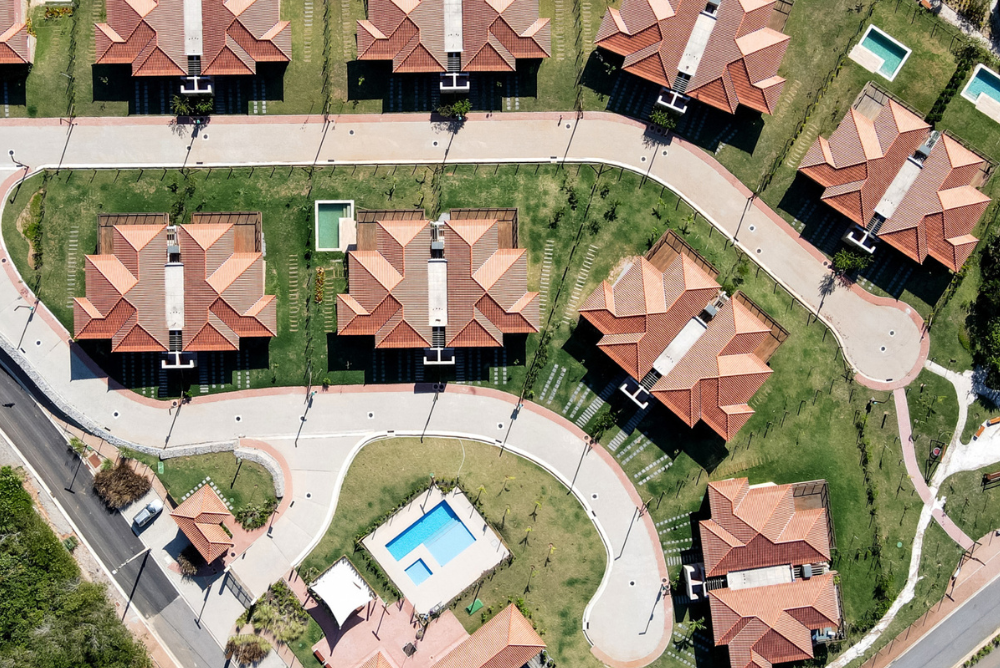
<point x="913" y="470"/>
<point x="978" y="570"/>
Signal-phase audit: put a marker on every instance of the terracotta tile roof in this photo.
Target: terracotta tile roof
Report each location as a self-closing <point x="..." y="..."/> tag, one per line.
<point x="495" y="33"/>
<point x="377" y="660"/>
<point x="740" y="61"/>
<point x="757" y="527"/>
<point x="643" y="311"/>
<point x="764" y="626"/>
<point x="858" y="164"/>
<point x="387" y="295"/>
<point x="200" y="518"/>
<point x="17" y="47"/>
<point x="149" y="35"/>
<point x="126" y="291"/>
<point x="506" y="641"/>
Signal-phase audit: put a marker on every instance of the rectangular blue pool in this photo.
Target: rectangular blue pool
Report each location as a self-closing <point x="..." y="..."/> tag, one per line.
<point x="439" y="530"/>
<point x="889" y="50"/>
<point x="418" y="571"/>
<point x="983" y="80"/>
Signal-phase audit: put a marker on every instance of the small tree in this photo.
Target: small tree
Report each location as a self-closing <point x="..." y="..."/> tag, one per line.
<point x="77" y="446"/>
<point x="846" y="261"/>
<point x="180" y="106"/>
<point x="663" y="119"/>
<point x="457" y="110"/>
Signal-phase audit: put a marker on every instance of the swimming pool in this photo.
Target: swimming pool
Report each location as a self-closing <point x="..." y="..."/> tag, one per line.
<point x="328" y="215"/>
<point x="984" y="80"/>
<point x="418" y="571"/>
<point x="439" y="530"/>
<point x="892" y="53"/>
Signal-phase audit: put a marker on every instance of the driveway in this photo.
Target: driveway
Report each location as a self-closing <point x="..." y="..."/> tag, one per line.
<point x="882" y="338"/>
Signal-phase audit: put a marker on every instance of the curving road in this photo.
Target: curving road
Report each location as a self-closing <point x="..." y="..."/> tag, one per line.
<point x="881" y="338"/>
<point x="627" y="621"/>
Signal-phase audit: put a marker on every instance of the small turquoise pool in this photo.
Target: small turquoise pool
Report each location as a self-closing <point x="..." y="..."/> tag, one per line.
<point x="328" y="215"/>
<point x="889" y="50"/>
<point x="439" y="530"/>
<point x="418" y="571"/>
<point x="983" y="81"/>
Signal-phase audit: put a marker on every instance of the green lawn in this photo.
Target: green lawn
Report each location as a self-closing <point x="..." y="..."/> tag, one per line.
<point x="978" y="413"/>
<point x="933" y="416"/>
<point x="974" y="509"/>
<point x="939" y="559"/>
<point x="241" y="482"/>
<point x="559" y="588"/>
<point x="587" y="217"/>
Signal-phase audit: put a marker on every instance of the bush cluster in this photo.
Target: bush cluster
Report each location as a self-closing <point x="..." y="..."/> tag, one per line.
<point x="966" y="56"/>
<point x="247" y="649"/>
<point x="119" y="485"/>
<point x="190" y="561"/>
<point x="255" y="516"/>
<point x="320" y="284"/>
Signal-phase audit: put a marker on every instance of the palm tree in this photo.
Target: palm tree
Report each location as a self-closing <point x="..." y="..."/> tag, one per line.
<point x="696" y="625"/>
<point x="506" y="479"/>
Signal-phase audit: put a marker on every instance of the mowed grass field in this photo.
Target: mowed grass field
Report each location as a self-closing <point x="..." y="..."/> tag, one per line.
<point x="578" y="224"/>
<point x="555" y="584"/>
<point x="241" y="482"/>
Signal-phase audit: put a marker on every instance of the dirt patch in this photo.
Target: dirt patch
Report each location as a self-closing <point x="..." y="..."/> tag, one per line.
<point x="24" y="221"/>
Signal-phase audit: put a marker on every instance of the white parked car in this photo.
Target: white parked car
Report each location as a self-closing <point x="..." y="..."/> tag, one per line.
<point x="146" y="515"/>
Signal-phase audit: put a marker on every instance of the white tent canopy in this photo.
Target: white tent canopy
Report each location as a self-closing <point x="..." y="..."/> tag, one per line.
<point x="343" y="590"/>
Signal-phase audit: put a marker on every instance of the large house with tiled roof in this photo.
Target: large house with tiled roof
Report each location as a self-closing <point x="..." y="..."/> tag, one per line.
<point x="459" y="282"/>
<point x="200" y="517"/>
<point x="156" y="287"/>
<point x="901" y="182"/>
<point x="666" y="322"/>
<point x="453" y="37"/>
<point x="193" y="38"/>
<point x="17" y="45"/>
<point x="767" y="572"/>
<point x="723" y="53"/>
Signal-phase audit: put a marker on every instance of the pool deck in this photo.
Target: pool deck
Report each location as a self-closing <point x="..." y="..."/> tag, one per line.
<point x="446" y="582"/>
<point x="866" y="59"/>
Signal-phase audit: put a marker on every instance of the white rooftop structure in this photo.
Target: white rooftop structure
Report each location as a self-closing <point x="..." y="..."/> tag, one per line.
<point x="437" y="292"/>
<point x="173" y="278"/>
<point x="759" y="577"/>
<point x="343" y="590"/>
<point x="900" y="185"/>
<point x="697" y="43"/>
<point x="192" y="28"/>
<point x="453" y="26"/>
<point x="680" y="346"/>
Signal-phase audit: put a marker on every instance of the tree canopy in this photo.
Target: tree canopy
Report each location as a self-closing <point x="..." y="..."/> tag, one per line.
<point x="49" y="617"/>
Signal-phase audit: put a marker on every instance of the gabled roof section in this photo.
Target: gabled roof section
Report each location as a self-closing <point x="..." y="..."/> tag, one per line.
<point x="127" y="287"/>
<point x="495" y="33"/>
<point x="738" y="64"/>
<point x="485" y="280"/>
<point x="875" y="141"/>
<point x="200" y="518"/>
<point x="711" y="373"/>
<point x="758" y="527"/>
<point x="149" y="35"/>
<point x="767" y="625"/>
<point x="506" y="641"/>
<point x="17" y="47"/>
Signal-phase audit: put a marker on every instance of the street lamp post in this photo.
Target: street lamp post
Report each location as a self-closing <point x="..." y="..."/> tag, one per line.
<point x="736" y="237"/>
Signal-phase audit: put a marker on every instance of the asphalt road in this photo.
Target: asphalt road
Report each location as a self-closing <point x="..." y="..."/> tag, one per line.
<point x="957" y="636"/>
<point x="108" y="533"/>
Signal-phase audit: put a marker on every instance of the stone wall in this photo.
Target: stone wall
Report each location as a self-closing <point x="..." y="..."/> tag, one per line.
<point x="268" y="462"/>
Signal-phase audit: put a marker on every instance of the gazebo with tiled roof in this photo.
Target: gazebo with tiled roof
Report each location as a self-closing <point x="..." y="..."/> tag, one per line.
<point x="200" y="518"/>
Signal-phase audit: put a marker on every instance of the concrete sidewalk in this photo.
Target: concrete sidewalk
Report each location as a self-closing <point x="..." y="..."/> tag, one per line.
<point x="977" y="570"/>
<point x="882" y="338"/>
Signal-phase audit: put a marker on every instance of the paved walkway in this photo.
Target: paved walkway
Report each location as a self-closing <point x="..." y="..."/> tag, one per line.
<point x="882" y="338"/>
<point x="934" y="642"/>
